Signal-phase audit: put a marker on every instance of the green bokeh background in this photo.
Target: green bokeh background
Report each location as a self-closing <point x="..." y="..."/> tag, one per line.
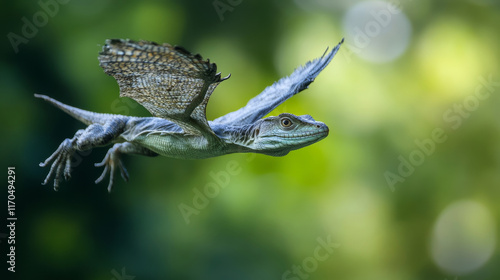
<point x="271" y="212"/>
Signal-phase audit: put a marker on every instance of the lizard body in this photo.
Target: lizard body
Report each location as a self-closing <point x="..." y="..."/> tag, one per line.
<point x="175" y="86"/>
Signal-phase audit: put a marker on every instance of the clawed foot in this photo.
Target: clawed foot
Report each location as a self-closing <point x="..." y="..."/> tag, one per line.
<point x="61" y="164"/>
<point x="110" y="162"/>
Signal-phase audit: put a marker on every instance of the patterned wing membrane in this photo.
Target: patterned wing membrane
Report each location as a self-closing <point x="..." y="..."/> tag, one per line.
<point x="168" y="81"/>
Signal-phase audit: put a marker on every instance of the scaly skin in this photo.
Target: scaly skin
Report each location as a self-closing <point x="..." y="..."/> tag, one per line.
<point x="274" y="136"/>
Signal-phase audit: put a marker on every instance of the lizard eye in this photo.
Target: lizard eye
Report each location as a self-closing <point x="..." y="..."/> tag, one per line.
<point x="286" y="122"/>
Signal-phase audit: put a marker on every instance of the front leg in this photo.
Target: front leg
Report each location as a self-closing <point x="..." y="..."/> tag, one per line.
<point x="93" y="136"/>
<point x="112" y="160"/>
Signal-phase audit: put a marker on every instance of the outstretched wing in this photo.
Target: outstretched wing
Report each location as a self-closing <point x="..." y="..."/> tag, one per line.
<point x="168" y="81"/>
<point x="280" y="91"/>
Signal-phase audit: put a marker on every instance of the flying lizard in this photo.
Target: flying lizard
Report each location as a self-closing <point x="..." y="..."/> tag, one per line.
<point x="175" y="86"/>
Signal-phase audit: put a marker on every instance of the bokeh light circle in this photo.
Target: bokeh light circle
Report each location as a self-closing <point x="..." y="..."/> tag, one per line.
<point x="463" y="238"/>
<point x="377" y="31"/>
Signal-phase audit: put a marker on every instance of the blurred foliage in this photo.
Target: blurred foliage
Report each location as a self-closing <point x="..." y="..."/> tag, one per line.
<point x="269" y="215"/>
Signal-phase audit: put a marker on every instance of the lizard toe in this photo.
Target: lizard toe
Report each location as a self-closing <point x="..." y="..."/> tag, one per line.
<point x="61" y="164"/>
<point x="110" y="163"/>
<point x="103" y="174"/>
<point x="123" y="171"/>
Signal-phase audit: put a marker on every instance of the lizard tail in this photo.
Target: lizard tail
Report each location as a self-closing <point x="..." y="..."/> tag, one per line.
<point x="84" y="116"/>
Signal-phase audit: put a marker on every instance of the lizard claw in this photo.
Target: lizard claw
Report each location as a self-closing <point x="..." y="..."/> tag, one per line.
<point x="110" y="162"/>
<point x="61" y="163"/>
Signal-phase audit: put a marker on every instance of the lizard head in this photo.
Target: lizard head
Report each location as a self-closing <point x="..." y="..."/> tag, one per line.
<point x="278" y="135"/>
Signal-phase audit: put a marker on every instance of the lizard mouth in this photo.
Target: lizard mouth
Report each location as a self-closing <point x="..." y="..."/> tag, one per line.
<point x="323" y="132"/>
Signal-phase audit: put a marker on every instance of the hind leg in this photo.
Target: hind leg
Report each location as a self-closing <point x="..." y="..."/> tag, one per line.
<point x="112" y="160"/>
<point x="93" y="136"/>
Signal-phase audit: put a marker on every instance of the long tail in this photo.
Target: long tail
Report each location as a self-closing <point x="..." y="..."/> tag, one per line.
<point x="84" y="116"/>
